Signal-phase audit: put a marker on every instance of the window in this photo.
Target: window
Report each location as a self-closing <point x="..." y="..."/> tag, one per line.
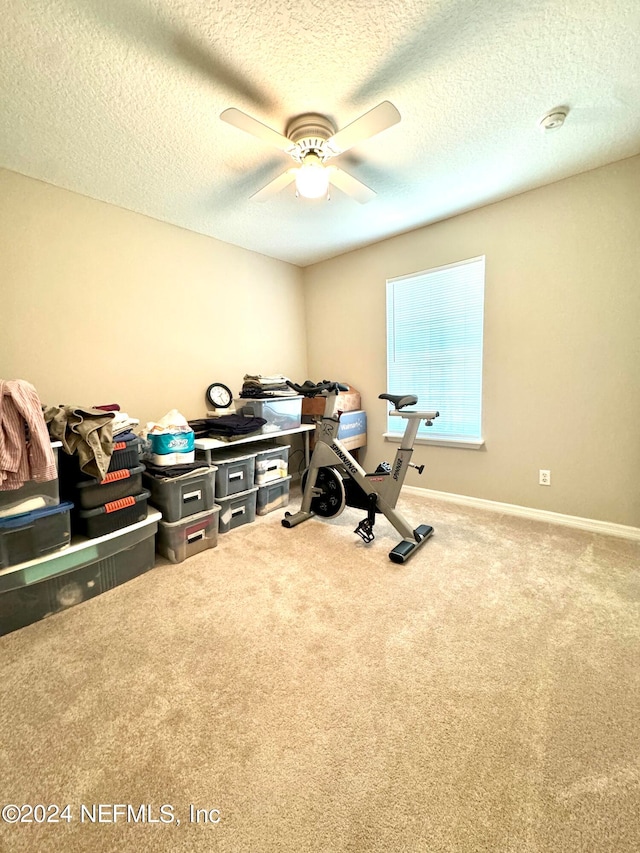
<point x="434" y="349"/>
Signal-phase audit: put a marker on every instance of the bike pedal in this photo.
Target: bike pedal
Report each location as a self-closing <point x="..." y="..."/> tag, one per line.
<point x="365" y="531"/>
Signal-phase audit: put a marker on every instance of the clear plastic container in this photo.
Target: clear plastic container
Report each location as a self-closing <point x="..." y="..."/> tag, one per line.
<point x="272" y="462"/>
<point x="31" y="496"/>
<point x="78" y="573"/>
<point x="184" y="496"/>
<point x="181" y="539"/>
<point x="235" y="472"/>
<point x="280" y="413"/>
<point x="237" y="510"/>
<point x="273" y="495"/>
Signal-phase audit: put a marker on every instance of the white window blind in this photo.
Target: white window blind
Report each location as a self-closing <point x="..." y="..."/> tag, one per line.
<point x="434" y="347"/>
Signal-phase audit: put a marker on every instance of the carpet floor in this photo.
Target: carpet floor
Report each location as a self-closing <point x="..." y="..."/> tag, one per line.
<point x="294" y="690"/>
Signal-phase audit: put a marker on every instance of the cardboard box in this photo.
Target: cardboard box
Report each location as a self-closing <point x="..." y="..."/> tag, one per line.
<point x="348" y="401"/>
<point x="352" y="432"/>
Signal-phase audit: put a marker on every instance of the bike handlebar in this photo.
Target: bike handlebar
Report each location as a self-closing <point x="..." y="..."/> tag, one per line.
<point x="312" y="389"/>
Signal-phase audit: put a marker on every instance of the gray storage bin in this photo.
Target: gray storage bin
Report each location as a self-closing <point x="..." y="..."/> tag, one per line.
<point x="31" y="495"/>
<point x="235" y="472"/>
<point x="180" y="497"/>
<point x="273" y="495"/>
<point x="272" y="462"/>
<point x="237" y="510"/>
<point x="181" y="539"/>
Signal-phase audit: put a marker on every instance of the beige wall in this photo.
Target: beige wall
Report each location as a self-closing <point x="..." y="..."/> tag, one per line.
<point x="561" y="343"/>
<point x="98" y="304"/>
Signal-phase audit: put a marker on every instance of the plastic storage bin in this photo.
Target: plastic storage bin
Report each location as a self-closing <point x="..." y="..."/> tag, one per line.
<point x="112" y="516"/>
<point x="237" y="510"/>
<point x="235" y="472"/>
<point x="75" y="574"/>
<point x="272" y="496"/>
<point x="126" y="454"/>
<point x="179" y="497"/>
<point x="31" y="496"/>
<point x="272" y="463"/>
<point x="181" y="539"/>
<point x="280" y="413"/>
<point x="92" y="493"/>
<point x="32" y="534"/>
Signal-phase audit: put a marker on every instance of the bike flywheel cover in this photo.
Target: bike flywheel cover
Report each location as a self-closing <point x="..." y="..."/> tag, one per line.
<point x="332" y="500"/>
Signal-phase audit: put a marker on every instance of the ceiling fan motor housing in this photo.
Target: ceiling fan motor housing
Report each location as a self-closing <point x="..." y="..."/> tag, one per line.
<point x="310" y="132"/>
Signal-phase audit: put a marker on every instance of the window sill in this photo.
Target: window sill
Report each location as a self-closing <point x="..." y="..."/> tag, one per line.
<point x="462" y="443"/>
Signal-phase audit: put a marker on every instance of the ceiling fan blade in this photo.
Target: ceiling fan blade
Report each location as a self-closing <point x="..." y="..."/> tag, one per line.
<point x="251" y="125"/>
<point x="350" y="185"/>
<point x="275" y="186"/>
<point x="375" y="121"/>
<point x="157" y="31"/>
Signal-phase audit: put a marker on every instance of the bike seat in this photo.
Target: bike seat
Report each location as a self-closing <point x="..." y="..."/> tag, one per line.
<point x="399" y="400"/>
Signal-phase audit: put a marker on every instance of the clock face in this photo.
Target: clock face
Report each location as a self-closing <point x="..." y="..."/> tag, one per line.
<point x="219" y="395"/>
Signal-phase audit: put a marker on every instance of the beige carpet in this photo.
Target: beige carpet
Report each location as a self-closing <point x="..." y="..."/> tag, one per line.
<point x="483" y="697"/>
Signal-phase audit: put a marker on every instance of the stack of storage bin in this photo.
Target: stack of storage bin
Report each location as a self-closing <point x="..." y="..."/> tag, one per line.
<point x="252" y="480"/>
<point x="235" y="489"/>
<point x="117" y="501"/>
<point x="272" y="477"/>
<point x="46" y="575"/>
<point x="33" y="521"/>
<point x="189" y="512"/>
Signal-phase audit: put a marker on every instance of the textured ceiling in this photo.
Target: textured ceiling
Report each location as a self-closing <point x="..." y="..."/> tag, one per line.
<point x="120" y="100"/>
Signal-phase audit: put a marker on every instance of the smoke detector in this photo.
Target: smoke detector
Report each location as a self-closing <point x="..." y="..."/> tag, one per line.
<point x="554" y="119"/>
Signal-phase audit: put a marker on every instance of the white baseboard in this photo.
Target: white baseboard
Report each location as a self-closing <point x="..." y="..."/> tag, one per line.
<point x="590" y="524"/>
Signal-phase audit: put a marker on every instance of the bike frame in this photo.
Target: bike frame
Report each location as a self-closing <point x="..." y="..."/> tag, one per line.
<point x="329" y="451"/>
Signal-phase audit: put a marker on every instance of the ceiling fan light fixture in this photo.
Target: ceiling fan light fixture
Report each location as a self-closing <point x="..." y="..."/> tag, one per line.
<point x="312" y="179"/>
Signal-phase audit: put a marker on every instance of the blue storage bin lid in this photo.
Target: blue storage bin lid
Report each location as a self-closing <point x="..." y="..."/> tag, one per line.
<point x="29" y="517"/>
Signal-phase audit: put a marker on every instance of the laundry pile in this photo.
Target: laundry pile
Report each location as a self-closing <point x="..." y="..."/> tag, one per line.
<point x="88" y="433"/>
<point x="266" y="386"/>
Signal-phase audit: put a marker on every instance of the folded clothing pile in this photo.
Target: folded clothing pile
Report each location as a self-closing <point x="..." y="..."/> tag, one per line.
<point x="226" y="426"/>
<point x="122" y="422"/>
<point x="266" y="386"/>
<point x="173" y="472"/>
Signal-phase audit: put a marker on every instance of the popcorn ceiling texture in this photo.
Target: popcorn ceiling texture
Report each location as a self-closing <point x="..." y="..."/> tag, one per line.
<point x="120" y="101"/>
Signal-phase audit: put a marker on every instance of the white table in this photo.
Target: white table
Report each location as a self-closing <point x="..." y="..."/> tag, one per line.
<point x="209" y="444"/>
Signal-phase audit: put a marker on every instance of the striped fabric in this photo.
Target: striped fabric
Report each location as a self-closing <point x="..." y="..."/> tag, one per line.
<point x="25" y="446"/>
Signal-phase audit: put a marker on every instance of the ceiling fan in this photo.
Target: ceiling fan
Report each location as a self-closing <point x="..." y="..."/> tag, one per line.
<point x="311" y="140"/>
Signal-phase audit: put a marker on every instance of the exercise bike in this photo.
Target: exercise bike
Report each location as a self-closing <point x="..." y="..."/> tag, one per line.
<point x="334" y="479"/>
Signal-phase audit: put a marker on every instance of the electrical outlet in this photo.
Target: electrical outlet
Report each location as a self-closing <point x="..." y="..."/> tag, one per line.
<point x="545" y="477"/>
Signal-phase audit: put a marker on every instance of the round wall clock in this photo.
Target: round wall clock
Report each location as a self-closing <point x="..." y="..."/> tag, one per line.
<point x="219" y="395"/>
